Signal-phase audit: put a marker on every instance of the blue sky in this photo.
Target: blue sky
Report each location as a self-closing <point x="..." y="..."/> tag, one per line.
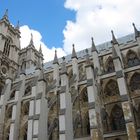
<point x="47" y="16"/>
<point x="57" y="24"/>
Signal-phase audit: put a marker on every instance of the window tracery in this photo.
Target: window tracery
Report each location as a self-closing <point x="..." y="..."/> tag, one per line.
<point x="135" y="82"/>
<point x="117" y="118"/>
<point x="111" y="88"/>
<point x="132" y="58"/>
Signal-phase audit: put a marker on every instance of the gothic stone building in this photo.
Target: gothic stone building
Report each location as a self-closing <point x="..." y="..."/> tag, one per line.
<point x="88" y="95"/>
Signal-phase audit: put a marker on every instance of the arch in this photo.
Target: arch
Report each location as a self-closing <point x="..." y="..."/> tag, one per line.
<point x="117" y="118"/>
<point x="132" y="58"/>
<point x="109" y="66"/>
<point x="28" y="90"/>
<point x="135" y="82"/>
<point x="111" y="88"/>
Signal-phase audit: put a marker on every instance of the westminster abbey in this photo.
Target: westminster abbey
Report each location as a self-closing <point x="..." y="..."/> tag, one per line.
<point x="93" y="94"/>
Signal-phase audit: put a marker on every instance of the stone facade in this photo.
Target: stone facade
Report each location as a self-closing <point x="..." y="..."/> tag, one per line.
<point x="89" y="95"/>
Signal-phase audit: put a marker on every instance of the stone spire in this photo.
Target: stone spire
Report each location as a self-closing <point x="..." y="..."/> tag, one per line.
<point x="137" y="33"/>
<point x="17" y="27"/>
<point x="5" y="16"/>
<point x="114" y="53"/>
<point x="55" y="61"/>
<point x="74" y="55"/>
<point x="88" y="62"/>
<point x="31" y="41"/>
<point x="63" y="67"/>
<point x="40" y="49"/>
<point x="114" y="40"/>
<point x="93" y="47"/>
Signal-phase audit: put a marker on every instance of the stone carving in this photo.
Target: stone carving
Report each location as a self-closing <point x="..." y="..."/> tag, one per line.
<point x="82" y="72"/>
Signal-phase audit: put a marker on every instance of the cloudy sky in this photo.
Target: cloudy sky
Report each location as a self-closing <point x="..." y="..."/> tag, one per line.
<point x="57" y="24"/>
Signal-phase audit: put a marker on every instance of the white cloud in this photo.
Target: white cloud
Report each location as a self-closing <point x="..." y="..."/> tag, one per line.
<point x="37" y="39"/>
<point x="97" y="18"/>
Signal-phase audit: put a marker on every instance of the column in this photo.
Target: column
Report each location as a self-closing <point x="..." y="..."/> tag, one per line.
<point x="126" y="106"/>
<point x="12" y="126"/>
<point x="95" y="133"/>
<point x="41" y="110"/>
<point x="65" y="115"/>
<point x="5" y="96"/>
<point x="30" y="120"/>
<point x="56" y="69"/>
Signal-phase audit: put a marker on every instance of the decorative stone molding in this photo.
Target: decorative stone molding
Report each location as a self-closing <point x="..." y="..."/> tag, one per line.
<point x="129" y="120"/>
<point x="61" y="132"/>
<point x="89" y="82"/>
<point x="35" y="136"/>
<point x="93" y="127"/>
<point x="124" y="98"/>
<point x="38" y="96"/>
<point x="91" y="105"/>
<point x="62" y="111"/>
<point x="63" y="89"/>
<point x="30" y="117"/>
<point x="36" y="117"/>
<point x="119" y="74"/>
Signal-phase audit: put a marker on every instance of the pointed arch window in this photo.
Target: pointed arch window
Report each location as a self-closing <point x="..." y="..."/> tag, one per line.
<point x="135" y="82"/>
<point x="28" y="90"/>
<point x="111" y="88"/>
<point x="117" y="118"/>
<point x="7" y="44"/>
<point x="132" y="58"/>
